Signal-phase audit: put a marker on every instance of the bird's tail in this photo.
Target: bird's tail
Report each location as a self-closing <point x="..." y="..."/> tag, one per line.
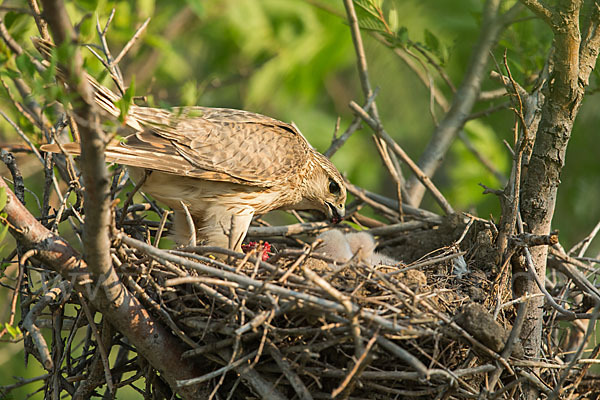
<point x="103" y="96"/>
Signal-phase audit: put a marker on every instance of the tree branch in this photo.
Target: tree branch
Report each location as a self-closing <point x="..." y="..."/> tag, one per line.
<point x="96" y="198"/>
<point x="466" y="96"/>
<point x="571" y="66"/>
<point x="539" y="9"/>
<point x="380" y="132"/>
<point x="129" y="316"/>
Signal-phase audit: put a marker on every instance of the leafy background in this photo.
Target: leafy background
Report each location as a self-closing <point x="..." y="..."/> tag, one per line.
<point x="294" y="60"/>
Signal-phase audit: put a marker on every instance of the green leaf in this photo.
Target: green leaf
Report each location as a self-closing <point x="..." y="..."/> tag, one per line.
<point x="370" y="16"/>
<point x="436" y="46"/>
<point x="432" y="41"/>
<point x="25" y="65"/>
<point x="13" y="331"/>
<point x="402" y="36"/>
<point x="368" y="6"/>
<point x="65" y="53"/>
<point x="125" y="102"/>
<point x="365" y="21"/>
<point x="3" y="198"/>
<point x="3" y="231"/>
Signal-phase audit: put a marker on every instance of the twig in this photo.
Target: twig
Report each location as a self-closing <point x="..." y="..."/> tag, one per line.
<point x="358" y="367"/>
<point x="97" y="199"/>
<point x="513" y="337"/>
<point x="491" y="26"/>
<point x="19" y="187"/>
<point x="161" y="227"/>
<point x="129" y="198"/>
<point x="565" y="374"/>
<point x="361" y="58"/>
<point x="15" y="295"/>
<point x="512" y="193"/>
<point x="34" y="331"/>
<point x="578" y="278"/>
<point x="22" y="382"/>
<point x="387" y="160"/>
<point x="147" y="333"/>
<point x="532" y="272"/>
<point x="396" y="228"/>
<point x="131" y="42"/>
<point x="587" y="365"/>
<point x="536" y="381"/>
<point x="363" y="74"/>
<point x="405" y="356"/>
<point x="404" y="375"/>
<point x="378" y="129"/>
<point x="427" y="263"/>
<point x="40" y="22"/>
<point x="214" y="374"/>
<point x="583" y="245"/>
<point x="112" y="67"/>
<point x="343" y="300"/>
<point x="439" y="98"/>
<point x="99" y="343"/>
<point x="248" y="282"/>
<point x="353" y="127"/>
<point x="377" y="206"/>
<point x="163" y="314"/>
<point x="393" y="204"/>
<point x="299" y="387"/>
<point x="286" y="230"/>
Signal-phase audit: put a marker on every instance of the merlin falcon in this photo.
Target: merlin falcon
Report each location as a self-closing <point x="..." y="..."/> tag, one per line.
<point x="225" y="165"/>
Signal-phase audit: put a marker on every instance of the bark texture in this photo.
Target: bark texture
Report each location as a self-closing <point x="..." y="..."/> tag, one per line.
<point x="572" y="60"/>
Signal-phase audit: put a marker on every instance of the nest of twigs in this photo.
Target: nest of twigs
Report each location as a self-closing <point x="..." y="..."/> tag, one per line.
<point x="435" y="322"/>
<point x="311" y="327"/>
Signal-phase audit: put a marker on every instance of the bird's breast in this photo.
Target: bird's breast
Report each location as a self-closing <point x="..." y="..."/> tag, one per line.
<point x="200" y="194"/>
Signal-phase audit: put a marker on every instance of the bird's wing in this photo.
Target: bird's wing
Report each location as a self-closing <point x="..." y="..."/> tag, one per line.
<point x="241" y="145"/>
<point x="209" y="143"/>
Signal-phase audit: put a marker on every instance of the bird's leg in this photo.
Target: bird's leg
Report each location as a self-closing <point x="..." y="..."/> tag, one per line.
<point x="238" y="228"/>
<point x="181" y="232"/>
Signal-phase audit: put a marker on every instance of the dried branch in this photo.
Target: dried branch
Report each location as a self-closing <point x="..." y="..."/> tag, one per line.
<point x="379" y="131"/>
<point x="9" y="160"/>
<point x="336" y="143"/>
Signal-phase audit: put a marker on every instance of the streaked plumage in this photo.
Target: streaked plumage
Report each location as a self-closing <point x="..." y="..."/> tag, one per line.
<point x="226" y="165"/>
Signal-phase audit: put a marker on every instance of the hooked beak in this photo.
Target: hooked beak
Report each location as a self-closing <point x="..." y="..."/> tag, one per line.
<point x="335" y="214"/>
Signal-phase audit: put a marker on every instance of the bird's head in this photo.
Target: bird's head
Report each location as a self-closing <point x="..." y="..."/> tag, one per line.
<point x="324" y="190"/>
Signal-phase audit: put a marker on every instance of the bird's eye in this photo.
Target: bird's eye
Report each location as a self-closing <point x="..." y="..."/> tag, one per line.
<point x="334" y="188"/>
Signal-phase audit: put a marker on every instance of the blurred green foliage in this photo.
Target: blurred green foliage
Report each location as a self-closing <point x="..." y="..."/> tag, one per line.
<point x="294" y="60"/>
